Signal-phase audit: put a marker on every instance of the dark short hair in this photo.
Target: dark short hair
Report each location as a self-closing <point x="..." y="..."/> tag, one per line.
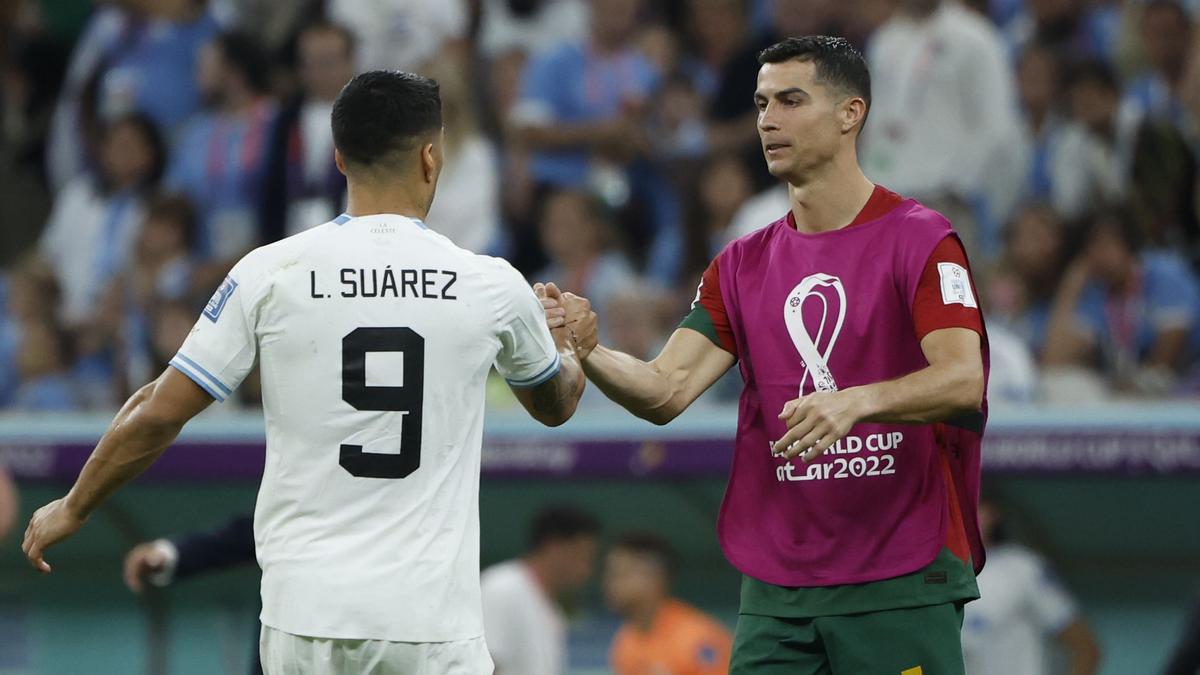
<point x="242" y="52"/>
<point x="839" y="64"/>
<point x="559" y="523"/>
<point x="651" y="547"/>
<point x="1093" y="71"/>
<point x="384" y="111"/>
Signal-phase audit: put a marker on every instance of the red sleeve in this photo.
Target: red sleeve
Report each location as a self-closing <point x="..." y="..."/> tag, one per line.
<point x="946" y="295"/>
<point x="708" y="314"/>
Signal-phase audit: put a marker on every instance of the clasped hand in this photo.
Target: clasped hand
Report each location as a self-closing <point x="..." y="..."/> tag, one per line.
<point x="570" y="318"/>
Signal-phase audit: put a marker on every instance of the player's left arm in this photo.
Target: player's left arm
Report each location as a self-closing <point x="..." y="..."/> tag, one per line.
<point x="949" y="326"/>
<point x="147" y="423"/>
<point x="950" y="386"/>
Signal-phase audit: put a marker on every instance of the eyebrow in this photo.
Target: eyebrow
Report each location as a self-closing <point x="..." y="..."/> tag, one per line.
<point x="782" y="92"/>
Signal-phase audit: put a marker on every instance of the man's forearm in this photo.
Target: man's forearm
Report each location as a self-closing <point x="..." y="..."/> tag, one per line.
<point x="635" y="385"/>
<point x="132" y="443"/>
<point x="933" y="394"/>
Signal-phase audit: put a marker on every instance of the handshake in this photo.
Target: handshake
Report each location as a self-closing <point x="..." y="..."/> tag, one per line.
<point x="570" y="319"/>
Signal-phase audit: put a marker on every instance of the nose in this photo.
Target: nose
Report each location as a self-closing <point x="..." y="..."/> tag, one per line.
<point x="766" y="122"/>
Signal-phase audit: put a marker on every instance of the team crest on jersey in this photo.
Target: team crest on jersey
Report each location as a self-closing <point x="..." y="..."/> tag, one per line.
<point x="216" y="304"/>
<point x="813" y="313"/>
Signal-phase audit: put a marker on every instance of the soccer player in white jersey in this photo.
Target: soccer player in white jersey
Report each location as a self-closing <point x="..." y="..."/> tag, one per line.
<point x="374" y="337"/>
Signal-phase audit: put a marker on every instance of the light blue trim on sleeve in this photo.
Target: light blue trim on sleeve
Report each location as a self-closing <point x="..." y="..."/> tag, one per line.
<point x="179" y="365"/>
<point x="542" y="377"/>
<point x="200" y="369"/>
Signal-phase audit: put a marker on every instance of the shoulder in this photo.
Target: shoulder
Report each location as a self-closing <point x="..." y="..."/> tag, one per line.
<point x="265" y="260"/>
<point x="502" y="579"/>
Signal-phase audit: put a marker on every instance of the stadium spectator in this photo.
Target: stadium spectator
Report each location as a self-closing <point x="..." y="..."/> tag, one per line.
<point x="1091" y="162"/>
<point x="161" y="272"/>
<point x="1022" y="610"/>
<point x="467" y="205"/>
<point x="133" y="57"/>
<point x="29" y="295"/>
<point x="163" y="562"/>
<point x="529" y="26"/>
<point x="661" y="634"/>
<point x="220" y="159"/>
<point x="402" y="34"/>
<point x="27" y="81"/>
<point x="1166" y="36"/>
<point x="1072" y="28"/>
<point x="44" y="370"/>
<point x="9" y="503"/>
<point x="1163" y="185"/>
<point x="1132" y="312"/>
<point x="1022" y="289"/>
<point x="725" y="184"/>
<point x="592" y="133"/>
<point x="303" y="187"/>
<point x="524" y="624"/>
<point x="1039" y="85"/>
<point x="943" y="126"/>
<point x="576" y="230"/>
<point x="90" y="235"/>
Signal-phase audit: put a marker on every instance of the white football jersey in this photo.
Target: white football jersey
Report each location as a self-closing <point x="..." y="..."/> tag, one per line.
<point x="374" y="337"/>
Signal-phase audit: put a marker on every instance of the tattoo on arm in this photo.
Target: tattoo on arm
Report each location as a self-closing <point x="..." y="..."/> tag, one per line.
<point x="555" y="394"/>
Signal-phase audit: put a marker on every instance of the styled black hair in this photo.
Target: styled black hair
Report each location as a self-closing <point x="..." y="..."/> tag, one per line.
<point x="839" y="64"/>
<point x="242" y="52"/>
<point x="558" y="523"/>
<point x="383" y="111"/>
<point x="652" y="547"/>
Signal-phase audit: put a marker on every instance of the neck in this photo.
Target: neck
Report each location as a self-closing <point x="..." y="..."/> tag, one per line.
<point x="368" y="199"/>
<point x="830" y="201"/>
<point x="643" y="615"/>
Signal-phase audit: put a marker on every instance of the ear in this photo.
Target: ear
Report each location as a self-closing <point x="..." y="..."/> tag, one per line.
<point x="853" y="112"/>
<point x="428" y="163"/>
<point x="339" y="161"/>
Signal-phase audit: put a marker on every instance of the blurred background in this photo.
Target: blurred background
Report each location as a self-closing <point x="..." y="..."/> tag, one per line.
<point x="610" y="146"/>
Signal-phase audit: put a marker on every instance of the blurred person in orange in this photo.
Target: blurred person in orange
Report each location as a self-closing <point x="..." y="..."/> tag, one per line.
<point x="1023" y="609"/>
<point x="661" y="635"/>
<point x="523" y="622"/>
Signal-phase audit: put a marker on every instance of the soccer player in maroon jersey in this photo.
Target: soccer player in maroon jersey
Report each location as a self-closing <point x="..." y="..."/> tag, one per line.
<point x="851" y="501"/>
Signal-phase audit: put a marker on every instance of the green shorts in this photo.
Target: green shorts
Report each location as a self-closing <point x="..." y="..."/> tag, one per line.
<point x="912" y="641"/>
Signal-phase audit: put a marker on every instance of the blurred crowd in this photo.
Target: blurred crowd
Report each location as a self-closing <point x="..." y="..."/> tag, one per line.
<point x="608" y="145"/>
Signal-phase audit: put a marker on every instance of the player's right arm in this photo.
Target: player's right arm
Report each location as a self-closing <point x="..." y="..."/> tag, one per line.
<point x="541" y="368"/>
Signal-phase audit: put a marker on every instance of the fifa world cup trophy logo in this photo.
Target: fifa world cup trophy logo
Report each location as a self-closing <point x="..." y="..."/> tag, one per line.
<point x="813" y="313"/>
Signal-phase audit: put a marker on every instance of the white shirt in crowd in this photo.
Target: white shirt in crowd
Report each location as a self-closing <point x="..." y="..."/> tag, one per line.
<point x="1022" y="607"/>
<point x="466" y="207"/>
<point x="89" y="238"/>
<point x="399" y="34"/>
<point x="944" y="118"/>
<point x="374" y="337"/>
<point x="525" y="629"/>
<point x="554" y="22"/>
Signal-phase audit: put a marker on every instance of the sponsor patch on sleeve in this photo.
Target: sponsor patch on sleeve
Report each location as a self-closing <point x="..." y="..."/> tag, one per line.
<point x="956" y="285"/>
<point x="216" y="304"/>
